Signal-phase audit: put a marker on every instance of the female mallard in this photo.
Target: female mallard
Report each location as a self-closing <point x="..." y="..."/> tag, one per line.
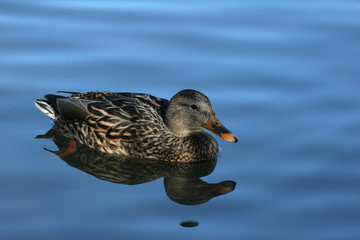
<point x="139" y="125"/>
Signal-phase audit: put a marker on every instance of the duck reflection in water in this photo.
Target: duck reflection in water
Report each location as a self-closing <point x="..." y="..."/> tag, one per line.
<point x="182" y="181"/>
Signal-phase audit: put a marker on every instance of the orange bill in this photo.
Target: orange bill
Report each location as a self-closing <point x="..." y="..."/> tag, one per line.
<point x="216" y="127"/>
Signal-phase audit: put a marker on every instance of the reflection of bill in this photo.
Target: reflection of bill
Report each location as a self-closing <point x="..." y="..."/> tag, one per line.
<point x="181" y="180"/>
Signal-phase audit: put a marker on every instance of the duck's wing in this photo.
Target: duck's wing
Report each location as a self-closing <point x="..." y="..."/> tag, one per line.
<point x="160" y="105"/>
<point x="116" y="117"/>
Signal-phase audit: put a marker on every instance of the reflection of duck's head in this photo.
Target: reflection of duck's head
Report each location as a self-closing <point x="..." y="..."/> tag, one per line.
<point x="192" y="191"/>
<point x="190" y="111"/>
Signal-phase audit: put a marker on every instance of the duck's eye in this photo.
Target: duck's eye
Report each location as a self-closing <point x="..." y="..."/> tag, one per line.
<point x="194" y="106"/>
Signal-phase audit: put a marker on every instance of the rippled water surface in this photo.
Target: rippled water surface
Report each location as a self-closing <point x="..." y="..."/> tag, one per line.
<point x="282" y="75"/>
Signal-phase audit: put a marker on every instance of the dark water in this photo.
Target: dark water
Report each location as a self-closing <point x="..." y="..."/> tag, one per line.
<point x="282" y="75"/>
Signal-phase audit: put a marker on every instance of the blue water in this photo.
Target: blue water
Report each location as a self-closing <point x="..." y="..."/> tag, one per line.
<point x="282" y="75"/>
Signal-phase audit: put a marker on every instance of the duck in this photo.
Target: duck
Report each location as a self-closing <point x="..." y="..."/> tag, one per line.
<point x="139" y="125"/>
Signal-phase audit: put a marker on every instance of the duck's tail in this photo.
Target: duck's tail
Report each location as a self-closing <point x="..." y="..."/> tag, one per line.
<point x="46" y="107"/>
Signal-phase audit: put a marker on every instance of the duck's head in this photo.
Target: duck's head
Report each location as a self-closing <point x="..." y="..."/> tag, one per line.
<point x="190" y="111"/>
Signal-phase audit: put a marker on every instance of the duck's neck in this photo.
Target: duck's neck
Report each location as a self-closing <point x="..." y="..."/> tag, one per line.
<point x="177" y="124"/>
<point x="180" y="130"/>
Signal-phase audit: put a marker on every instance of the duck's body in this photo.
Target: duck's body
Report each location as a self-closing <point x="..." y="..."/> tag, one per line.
<point x="139" y="125"/>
